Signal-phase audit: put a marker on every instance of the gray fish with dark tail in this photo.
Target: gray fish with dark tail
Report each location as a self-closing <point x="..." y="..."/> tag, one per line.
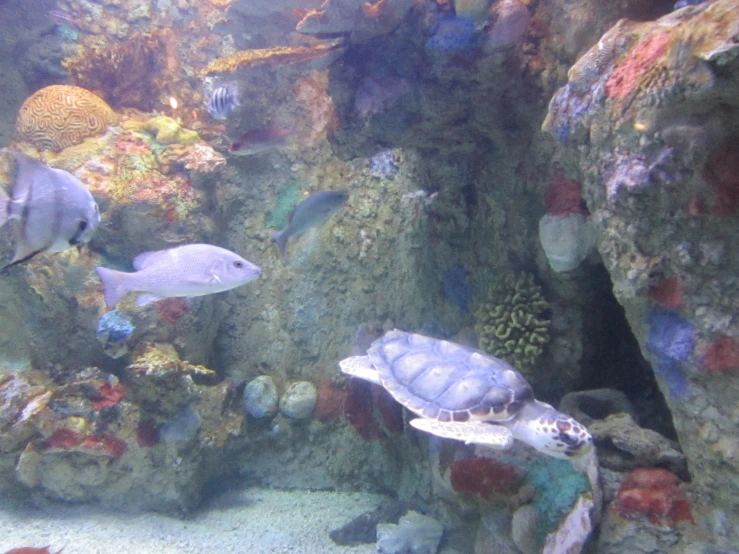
<point x="311" y="212"/>
<point x="223" y="100"/>
<point x="189" y="270"/>
<point x="52" y="209"/>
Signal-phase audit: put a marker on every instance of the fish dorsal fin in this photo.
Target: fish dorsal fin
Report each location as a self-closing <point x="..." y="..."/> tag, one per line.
<point x="148" y="259"/>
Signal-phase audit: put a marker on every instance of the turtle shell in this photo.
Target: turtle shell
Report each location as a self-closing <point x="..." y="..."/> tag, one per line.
<point x="442" y="380"/>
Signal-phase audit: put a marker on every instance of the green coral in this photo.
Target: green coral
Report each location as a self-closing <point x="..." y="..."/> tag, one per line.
<point x="287" y="198"/>
<point x="512" y="324"/>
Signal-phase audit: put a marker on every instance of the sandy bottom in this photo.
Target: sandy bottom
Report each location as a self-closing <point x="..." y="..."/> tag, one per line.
<point x="252" y="521"/>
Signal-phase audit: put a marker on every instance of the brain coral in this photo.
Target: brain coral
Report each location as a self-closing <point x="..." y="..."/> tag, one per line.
<point x="60" y="116"/>
<point x="513" y="324"/>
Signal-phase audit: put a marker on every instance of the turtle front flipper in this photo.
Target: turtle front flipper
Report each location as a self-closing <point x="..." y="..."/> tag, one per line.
<point x="361" y="368"/>
<point x="477" y="432"/>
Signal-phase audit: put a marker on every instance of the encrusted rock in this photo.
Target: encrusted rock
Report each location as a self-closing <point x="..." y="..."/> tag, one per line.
<point x="623" y="445"/>
<point x="590" y="405"/>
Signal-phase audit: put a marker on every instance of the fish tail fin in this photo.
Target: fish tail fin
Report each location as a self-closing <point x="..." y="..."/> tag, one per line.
<point x="280" y="237"/>
<point x="115" y="286"/>
<point x="4" y="207"/>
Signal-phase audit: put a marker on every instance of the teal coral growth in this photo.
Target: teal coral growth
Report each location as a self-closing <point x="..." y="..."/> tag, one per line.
<point x="287" y="198"/>
<point x="558" y="486"/>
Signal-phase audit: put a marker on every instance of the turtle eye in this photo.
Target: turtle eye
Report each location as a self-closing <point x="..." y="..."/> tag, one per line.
<point x="568" y="439"/>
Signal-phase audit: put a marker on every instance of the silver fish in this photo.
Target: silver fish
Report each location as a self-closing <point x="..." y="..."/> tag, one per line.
<point x="223" y="100"/>
<point x="190" y="270"/>
<point x="311" y="212"/>
<point x="53" y="209"/>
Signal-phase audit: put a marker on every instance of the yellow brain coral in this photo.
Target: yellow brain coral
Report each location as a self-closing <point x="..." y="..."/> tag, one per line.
<point x="60" y="116"/>
<point x="513" y="323"/>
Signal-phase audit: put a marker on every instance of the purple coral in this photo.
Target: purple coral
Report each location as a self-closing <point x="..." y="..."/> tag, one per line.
<point x="671" y="338"/>
<point x="375" y="96"/>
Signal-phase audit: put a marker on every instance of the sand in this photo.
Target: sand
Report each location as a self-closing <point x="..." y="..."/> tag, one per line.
<point x="252" y="521"/>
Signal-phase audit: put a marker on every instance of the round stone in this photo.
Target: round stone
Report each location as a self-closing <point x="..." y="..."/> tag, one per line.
<point x="260" y="397"/>
<point x="299" y="400"/>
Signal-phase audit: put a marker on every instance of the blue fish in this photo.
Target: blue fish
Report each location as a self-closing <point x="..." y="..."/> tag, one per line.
<point x="311" y="212"/>
<point x="223" y="101"/>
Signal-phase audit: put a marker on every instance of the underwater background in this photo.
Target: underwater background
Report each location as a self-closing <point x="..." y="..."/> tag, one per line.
<point x="279" y="185"/>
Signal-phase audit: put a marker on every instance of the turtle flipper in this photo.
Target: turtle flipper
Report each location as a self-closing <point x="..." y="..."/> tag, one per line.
<point x="477" y="432"/>
<point x="360" y="367"/>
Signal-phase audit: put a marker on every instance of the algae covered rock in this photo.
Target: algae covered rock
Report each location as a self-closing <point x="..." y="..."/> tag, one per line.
<point x="513" y="323"/>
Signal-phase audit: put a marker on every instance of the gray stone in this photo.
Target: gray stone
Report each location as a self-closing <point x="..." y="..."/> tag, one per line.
<point x="260" y="397"/>
<point x="299" y="400"/>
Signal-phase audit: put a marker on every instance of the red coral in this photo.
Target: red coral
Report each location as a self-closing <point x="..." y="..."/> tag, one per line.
<point x="108" y="396"/>
<point x="359" y="409"/>
<point x="625" y="78"/>
<point x="721" y="355"/>
<point x="171" y="309"/>
<point x="485" y="477"/>
<point x="330" y="401"/>
<point x="388" y="409"/>
<point x="721" y="172"/>
<point x="63" y="438"/>
<point x="655" y="494"/>
<point x="147" y="433"/>
<point x="668" y="292"/>
<point x="564" y="197"/>
<point x="111" y="445"/>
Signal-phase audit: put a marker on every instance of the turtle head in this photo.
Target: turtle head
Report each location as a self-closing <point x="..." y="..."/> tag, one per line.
<point x="551" y="432"/>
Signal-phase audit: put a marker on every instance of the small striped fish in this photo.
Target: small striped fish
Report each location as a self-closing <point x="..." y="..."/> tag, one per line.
<point x="223" y="101"/>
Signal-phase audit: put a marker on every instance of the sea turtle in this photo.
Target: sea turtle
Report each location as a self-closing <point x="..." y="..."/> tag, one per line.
<point x="464" y="394"/>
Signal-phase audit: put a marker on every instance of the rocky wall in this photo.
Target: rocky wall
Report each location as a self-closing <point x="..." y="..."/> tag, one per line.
<point x="649" y="116"/>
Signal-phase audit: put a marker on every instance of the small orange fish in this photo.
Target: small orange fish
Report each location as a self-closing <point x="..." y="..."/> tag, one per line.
<point x="32" y="550"/>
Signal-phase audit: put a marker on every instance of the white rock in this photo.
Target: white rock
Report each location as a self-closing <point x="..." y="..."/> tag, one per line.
<point x="414" y="534"/>
<point x="566" y="239"/>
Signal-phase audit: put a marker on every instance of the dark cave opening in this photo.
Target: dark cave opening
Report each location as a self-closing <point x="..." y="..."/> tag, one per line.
<point x="612" y="359"/>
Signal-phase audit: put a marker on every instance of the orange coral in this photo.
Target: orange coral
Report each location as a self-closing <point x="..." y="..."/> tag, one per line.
<point x="373" y="9"/>
<point x="60" y="116"/>
<point x="170" y="310"/>
<point x="276" y="55"/>
<point x="654" y="493"/>
<point x="628" y="74"/>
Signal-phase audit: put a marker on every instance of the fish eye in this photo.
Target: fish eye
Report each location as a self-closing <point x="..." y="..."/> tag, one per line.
<point x="238" y="265"/>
